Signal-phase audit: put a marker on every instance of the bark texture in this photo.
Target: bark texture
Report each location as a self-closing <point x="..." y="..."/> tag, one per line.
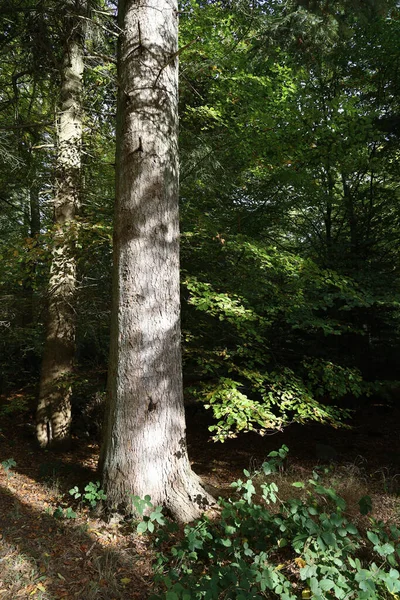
<point x="54" y="407"/>
<point x="144" y="449"/>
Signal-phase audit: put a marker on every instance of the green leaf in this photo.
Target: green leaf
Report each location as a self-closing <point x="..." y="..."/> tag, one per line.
<point x="385" y="549"/>
<point x="326" y="584"/>
<point x="373" y="538"/>
<point x="142" y="527"/>
<point x="314" y="585"/>
<point x="351" y="529"/>
<point x="226" y="542"/>
<point x="150" y="526"/>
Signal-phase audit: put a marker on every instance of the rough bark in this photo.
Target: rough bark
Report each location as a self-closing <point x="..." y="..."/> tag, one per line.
<point x="54" y="407"/>
<point x="144" y="449"/>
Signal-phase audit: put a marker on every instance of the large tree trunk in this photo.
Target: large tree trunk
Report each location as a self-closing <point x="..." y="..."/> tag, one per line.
<point x="144" y="449"/>
<point x="54" y="408"/>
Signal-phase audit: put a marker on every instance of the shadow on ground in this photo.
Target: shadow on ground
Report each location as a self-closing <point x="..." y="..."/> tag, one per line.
<point x="55" y="559"/>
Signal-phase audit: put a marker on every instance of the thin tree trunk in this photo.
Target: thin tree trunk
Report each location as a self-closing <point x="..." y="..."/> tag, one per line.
<point x="144" y="449"/>
<point x="328" y="216"/>
<point x="29" y="279"/>
<point x="34" y="210"/>
<point x="351" y="217"/>
<point x="54" y="408"/>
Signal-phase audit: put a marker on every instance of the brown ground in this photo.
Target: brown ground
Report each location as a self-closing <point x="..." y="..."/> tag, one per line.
<point x="46" y="558"/>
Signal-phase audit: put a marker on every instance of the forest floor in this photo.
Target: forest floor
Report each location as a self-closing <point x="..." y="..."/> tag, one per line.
<point x="49" y="558"/>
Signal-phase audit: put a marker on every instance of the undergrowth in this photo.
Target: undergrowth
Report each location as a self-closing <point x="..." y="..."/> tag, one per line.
<point x="262" y="547"/>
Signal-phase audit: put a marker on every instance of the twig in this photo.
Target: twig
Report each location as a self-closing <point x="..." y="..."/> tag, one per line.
<point x="174" y="55"/>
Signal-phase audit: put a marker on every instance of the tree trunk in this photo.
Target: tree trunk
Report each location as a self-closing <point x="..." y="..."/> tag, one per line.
<point x="34" y="210"/>
<point x="54" y="408"/>
<point x="144" y="449"/>
<point x="351" y="217"/>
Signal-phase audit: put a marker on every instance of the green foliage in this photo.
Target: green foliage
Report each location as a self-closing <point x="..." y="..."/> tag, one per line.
<point x="8" y="465"/>
<point x="289" y="141"/>
<point x="151" y="515"/>
<point x="284" y="399"/>
<point x="15" y="403"/>
<point x="284" y="175"/>
<point x="301" y="544"/>
<point x="63" y="513"/>
<point x="92" y="495"/>
<point x="328" y="379"/>
<point x="265" y="305"/>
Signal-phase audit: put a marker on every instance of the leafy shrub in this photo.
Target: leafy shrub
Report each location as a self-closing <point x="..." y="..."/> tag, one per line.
<point x="63" y="513"/>
<point x="7" y="465"/>
<point x="92" y="494"/>
<point x="148" y="523"/>
<point x="300" y="546"/>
